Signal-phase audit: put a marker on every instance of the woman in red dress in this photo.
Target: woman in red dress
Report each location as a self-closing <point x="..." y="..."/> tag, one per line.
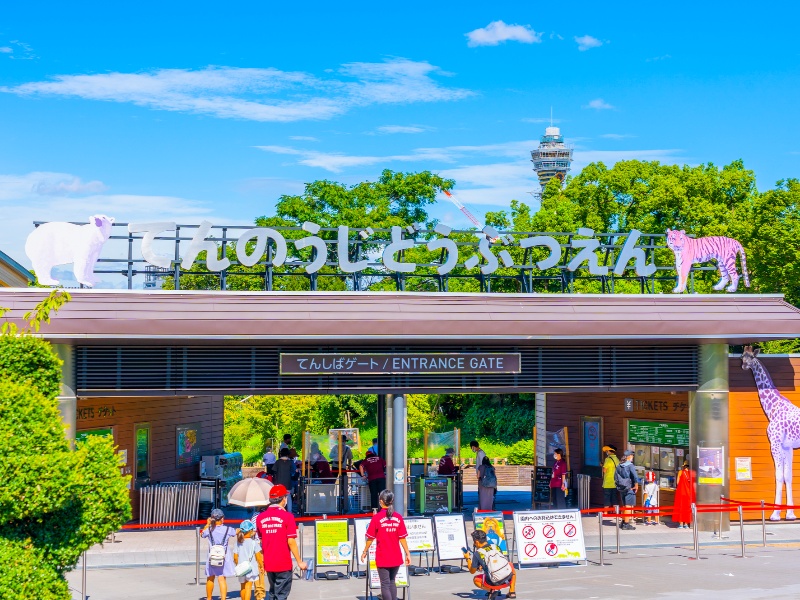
<point x="684" y="497"/>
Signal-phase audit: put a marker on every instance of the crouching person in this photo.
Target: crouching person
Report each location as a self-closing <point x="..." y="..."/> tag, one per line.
<point x="497" y="571"/>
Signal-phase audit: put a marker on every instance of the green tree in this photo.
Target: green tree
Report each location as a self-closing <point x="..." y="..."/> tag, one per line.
<point x="54" y="502"/>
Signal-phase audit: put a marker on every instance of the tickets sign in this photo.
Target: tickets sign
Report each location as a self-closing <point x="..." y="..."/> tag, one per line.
<point x="549" y="536"/>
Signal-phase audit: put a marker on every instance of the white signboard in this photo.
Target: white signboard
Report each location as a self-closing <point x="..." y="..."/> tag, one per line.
<point x="401" y="579"/>
<point x="549" y="536"/>
<point x="420" y="535"/>
<point x="361" y="526"/>
<point x="450" y="536"/>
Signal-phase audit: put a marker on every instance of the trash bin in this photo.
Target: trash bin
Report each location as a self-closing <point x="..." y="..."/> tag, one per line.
<point x="584" y="485"/>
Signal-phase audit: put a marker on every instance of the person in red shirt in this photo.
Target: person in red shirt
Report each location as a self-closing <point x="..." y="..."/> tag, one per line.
<point x="446" y="465"/>
<point x="558" y="483"/>
<point x="278" y="533"/>
<point x="388" y="530"/>
<point x="374" y="469"/>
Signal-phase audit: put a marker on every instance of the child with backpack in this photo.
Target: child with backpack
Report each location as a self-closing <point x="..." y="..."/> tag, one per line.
<point x="498" y="572"/>
<point x="219" y="563"/>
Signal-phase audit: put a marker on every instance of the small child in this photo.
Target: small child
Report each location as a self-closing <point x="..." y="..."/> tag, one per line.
<point x="651" y="491"/>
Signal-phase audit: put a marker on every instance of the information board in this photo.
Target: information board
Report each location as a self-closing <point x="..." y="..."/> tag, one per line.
<point x="450" y="536"/>
<point x="361" y="526"/>
<point x="549" y="536"/>
<point x="493" y="524"/>
<point x="333" y="543"/>
<point x="541" y="484"/>
<point x="81" y="436"/>
<point x="401" y="579"/>
<point x="658" y="434"/>
<point x="420" y="535"/>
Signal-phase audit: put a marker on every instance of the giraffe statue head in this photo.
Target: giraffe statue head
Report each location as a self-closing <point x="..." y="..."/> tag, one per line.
<point x="748" y="356"/>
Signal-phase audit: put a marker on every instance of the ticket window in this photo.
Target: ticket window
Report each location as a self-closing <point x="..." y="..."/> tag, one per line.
<point x="664" y="461"/>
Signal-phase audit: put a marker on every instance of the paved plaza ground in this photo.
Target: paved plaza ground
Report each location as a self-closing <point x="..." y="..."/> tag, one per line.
<point x="655" y="562"/>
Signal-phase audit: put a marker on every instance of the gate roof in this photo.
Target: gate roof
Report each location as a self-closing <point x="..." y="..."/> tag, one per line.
<point x="197" y="317"/>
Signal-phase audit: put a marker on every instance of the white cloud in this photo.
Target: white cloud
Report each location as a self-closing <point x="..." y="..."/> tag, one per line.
<point x="28" y="198"/>
<point x="303" y="138"/>
<point x="658" y="58"/>
<point x="617" y="136"/>
<point x="599" y="104"/>
<point x="26" y="52"/>
<point x="587" y="42"/>
<point x="497" y="32"/>
<point x="5" y="50"/>
<point x="253" y="94"/>
<point x="401" y="129"/>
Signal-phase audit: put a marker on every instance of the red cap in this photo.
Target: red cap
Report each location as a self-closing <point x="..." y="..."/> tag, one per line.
<point x="278" y="491"/>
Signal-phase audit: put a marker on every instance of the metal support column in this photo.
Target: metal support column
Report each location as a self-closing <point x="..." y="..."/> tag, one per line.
<point x="381" y="425"/>
<point x="67" y="400"/>
<point x="399" y="440"/>
<point x="388" y="441"/>
<point x="708" y="428"/>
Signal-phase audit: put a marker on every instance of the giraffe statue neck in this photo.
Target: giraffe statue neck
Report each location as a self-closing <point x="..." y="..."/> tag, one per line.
<point x="767" y="393"/>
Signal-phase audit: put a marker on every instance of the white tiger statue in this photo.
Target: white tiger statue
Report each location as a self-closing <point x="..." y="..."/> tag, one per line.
<point x="699" y="250"/>
<point x="53" y="244"/>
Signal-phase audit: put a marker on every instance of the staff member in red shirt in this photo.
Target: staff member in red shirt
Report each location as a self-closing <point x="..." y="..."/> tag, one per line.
<point x="374" y="469"/>
<point x="278" y="532"/>
<point x="558" y="483"/>
<point x="388" y="530"/>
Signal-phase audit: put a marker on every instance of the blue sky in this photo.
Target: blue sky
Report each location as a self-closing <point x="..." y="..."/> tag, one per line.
<point x="152" y="111"/>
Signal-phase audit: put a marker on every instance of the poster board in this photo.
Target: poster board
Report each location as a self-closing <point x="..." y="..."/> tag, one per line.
<point x="420" y="535"/>
<point x="549" y="537"/>
<point x="711" y="466"/>
<point x="81" y="436"/>
<point x="187" y="438"/>
<point x="401" y="579"/>
<point x="333" y="546"/>
<point x="451" y="536"/>
<point x="744" y="468"/>
<point x="494" y="525"/>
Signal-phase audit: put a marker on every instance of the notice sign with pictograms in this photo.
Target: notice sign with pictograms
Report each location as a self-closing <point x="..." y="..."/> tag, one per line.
<point x="549" y="536"/>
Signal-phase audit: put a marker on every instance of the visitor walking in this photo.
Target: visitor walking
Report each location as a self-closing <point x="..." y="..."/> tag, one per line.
<point x="684" y="497"/>
<point x="487" y="484"/>
<point x="219" y="563"/>
<point x="278" y="532"/>
<point x="373" y="467"/>
<point x="558" y="481"/>
<point x="610" y="493"/>
<point x="245" y="557"/>
<point x="284" y="470"/>
<point x="627" y="480"/>
<point x="388" y="530"/>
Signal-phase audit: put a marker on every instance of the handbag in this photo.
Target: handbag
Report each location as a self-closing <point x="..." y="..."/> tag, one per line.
<point x="244" y="567"/>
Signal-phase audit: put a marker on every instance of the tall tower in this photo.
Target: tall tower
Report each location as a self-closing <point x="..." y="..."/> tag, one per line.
<point x="552" y="158"/>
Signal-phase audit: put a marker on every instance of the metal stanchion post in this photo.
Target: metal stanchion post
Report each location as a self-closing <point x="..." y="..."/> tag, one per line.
<point x="741" y="528"/>
<point x="83" y="577"/>
<point x="301" y="541"/>
<point x="616" y="517"/>
<point x="197" y="556"/>
<point x="695" y="535"/>
<point x="763" y="526"/>
<point x="600" y="529"/>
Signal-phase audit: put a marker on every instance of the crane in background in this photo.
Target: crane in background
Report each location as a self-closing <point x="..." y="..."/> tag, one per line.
<point x="469" y="215"/>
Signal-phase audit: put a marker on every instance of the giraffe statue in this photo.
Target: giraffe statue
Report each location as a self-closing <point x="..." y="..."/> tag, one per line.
<point x="783" y="430"/>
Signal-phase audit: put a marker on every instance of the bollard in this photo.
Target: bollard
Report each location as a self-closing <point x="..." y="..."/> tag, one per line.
<point x="695" y="536"/>
<point x="301" y="541"/>
<point x="741" y="529"/>
<point x="83" y="577"/>
<point x="616" y="517"/>
<point x="763" y="526"/>
<point x="600" y="528"/>
<point x="197" y="556"/>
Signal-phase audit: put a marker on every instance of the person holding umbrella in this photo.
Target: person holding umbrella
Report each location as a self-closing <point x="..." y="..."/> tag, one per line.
<point x="278" y="532"/>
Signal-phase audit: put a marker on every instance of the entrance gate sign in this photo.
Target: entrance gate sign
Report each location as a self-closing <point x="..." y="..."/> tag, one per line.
<point x="548" y="537"/>
<point x="390" y="364"/>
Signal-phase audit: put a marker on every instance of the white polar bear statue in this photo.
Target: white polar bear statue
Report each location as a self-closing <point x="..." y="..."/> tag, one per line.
<point x="54" y="244"/>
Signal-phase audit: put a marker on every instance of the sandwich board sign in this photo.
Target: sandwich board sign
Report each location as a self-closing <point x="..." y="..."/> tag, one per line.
<point x="420" y="535"/>
<point x="450" y="536"/>
<point x="548" y="537"/>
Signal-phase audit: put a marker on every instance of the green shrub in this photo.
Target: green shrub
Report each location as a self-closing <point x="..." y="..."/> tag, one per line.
<point x="27" y="359"/>
<point x="521" y="453"/>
